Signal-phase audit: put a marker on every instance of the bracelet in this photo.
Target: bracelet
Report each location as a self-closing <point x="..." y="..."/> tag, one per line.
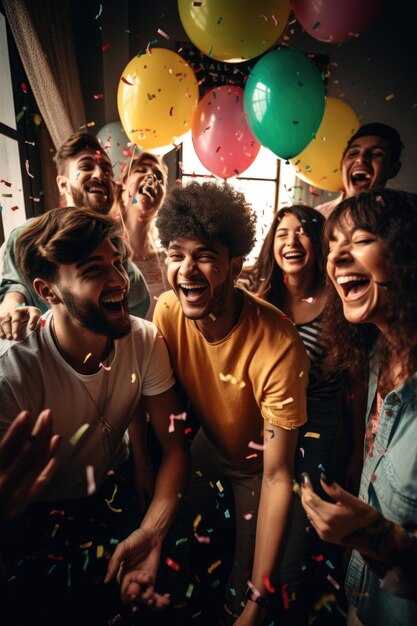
<point x="258" y="599"/>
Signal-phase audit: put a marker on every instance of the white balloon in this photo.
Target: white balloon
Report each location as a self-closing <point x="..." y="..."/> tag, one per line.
<point x="117" y="145"/>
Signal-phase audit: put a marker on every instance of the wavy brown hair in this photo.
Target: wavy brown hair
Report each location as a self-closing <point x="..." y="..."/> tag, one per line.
<point x="267" y="275"/>
<point x="392" y="216"/>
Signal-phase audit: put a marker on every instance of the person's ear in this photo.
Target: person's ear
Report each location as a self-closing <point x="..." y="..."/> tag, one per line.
<point x="63" y="184"/>
<point x="46" y="291"/>
<point x="394" y="169"/>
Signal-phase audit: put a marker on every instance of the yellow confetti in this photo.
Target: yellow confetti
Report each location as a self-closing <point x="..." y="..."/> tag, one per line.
<point x="389" y="97"/>
<point x="197" y="521"/>
<point x="54" y="530"/>
<point x="301" y="374"/>
<point x="219" y="486"/>
<point x="78" y="434"/>
<point x="296" y="488"/>
<point x="109" y="502"/>
<point x="312" y="435"/>
<point x="87" y="356"/>
<point x="228" y="378"/>
<point x="133" y="377"/>
<point x="100" y="551"/>
<point x="212" y="317"/>
<point x="213" y="566"/>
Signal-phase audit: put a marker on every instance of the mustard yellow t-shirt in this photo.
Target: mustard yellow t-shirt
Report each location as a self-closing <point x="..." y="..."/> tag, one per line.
<point x="259" y="370"/>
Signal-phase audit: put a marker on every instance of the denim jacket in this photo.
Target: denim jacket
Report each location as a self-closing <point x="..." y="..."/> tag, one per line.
<point x="389" y="483"/>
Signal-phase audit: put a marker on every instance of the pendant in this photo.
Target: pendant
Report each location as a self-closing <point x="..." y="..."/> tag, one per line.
<point x="106" y="435"/>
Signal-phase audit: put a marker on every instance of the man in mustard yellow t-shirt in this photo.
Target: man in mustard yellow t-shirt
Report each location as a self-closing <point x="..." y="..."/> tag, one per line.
<point x="244" y="369"/>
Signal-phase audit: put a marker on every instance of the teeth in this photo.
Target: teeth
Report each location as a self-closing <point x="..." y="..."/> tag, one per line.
<point x="114" y="298"/>
<point x="191" y="287"/>
<point x="349" y="279"/>
<point x="293" y="255"/>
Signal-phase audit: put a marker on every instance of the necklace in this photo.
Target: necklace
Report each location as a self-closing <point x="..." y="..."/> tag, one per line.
<point x="106" y="429"/>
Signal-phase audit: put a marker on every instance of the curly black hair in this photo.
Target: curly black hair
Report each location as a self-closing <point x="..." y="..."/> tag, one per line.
<point x="392" y="216"/>
<point x="266" y="273"/>
<point x="207" y="211"/>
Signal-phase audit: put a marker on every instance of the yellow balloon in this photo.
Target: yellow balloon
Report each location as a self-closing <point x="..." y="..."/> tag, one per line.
<point x="232" y="30"/>
<point x="319" y="163"/>
<point x="156" y="98"/>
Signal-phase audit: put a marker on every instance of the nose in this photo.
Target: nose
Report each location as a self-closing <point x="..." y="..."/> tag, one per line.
<point x="292" y="238"/>
<point x="340" y="253"/>
<point x="118" y="278"/>
<point x="98" y="172"/>
<point x="188" y="267"/>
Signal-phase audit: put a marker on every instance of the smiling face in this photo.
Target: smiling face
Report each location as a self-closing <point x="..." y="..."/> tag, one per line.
<point x="144" y="188"/>
<point x="201" y="274"/>
<point x="293" y="250"/>
<point x="88" y="181"/>
<point x="366" y="164"/>
<point x="94" y="292"/>
<point x="357" y="268"/>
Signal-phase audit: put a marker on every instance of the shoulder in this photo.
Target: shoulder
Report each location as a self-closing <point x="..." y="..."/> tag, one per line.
<point x="167" y="305"/>
<point x="328" y="207"/>
<point x="268" y="320"/>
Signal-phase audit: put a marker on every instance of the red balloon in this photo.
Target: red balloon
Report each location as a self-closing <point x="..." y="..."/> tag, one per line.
<point x="335" y="21"/>
<point x="220" y="134"/>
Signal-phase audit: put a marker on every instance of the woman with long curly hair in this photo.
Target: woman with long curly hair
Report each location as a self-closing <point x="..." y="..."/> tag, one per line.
<point x="372" y="308"/>
<point x="290" y="273"/>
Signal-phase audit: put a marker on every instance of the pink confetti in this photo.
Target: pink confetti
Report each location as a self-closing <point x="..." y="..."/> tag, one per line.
<point x="24" y="87"/>
<point x="105" y="47"/>
<point x="256" y="446"/>
<point x="248" y="516"/>
<point x="105" y="367"/>
<point x="333" y="582"/>
<point x="172" y="418"/>
<point x="255" y="593"/>
<point x="91" y="483"/>
<point x="162" y="33"/>
<point x="201" y="539"/>
<point x="302" y="452"/>
<point x="97" y="96"/>
<point x="251" y="456"/>
<point x="27" y="169"/>
<point x="172" y="564"/>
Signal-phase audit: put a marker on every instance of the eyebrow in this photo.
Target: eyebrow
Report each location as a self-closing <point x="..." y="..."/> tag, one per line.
<point x="175" y="246"/>
<point x="93" y="159"/>
<point x="94" y="259"/>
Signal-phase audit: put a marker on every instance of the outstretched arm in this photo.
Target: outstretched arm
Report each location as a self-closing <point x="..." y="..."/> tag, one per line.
<point x="274" y="506"/>
<point x="355" y="524"/>
<point x="136" y="560"/>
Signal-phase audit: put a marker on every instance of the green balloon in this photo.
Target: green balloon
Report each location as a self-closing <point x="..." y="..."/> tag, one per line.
<point x="284" y="101"/>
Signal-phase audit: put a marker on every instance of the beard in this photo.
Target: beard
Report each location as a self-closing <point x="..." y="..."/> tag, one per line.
<point x="90" y="317"/>
<point x="101" y="205"/>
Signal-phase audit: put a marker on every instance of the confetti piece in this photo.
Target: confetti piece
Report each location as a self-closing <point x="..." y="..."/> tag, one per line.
<point x="309" y="300"/>
<point x="226" y="378"/>
<point x="97" y="96"/>
<point x="172" y="564"/>
<point x="301" y="374"/>
<point x="389" y="97"/>
<point x="255" y="593"/>
<point x="162" y="33"/>
<point x="302" y="452"/>
<point x="133" y="378"/>
<point x="7" y="195"/>
<point x="105" y="47"/>
<point x="91" y="483"/>
<point x="109" y="502"/>
<point x="197" y="521"/>
<point x="219" y="486"/>
<point x="201" y="538"/>
<point x="57" y="512"/>
<point x="312" y="435"/>
<point x="24" y="87"/>
<point x="213" y="566"/>
<point x="189" y="591"/>
<point x="172" y="417"/>
<point x="87" y="356"/>
<point x="179" y="542"/>
<point x="78" y="434"/>
<point x="99" y="12"/>
<point x="267" y="583"/>
<point x="5" y="182"/>
<point x="296" y="487"/>
<point x="54" y="530"/>
<point x="333" y="582"/>
<point x="330" y="564"/>
<point x="84" y="546"/>
<point x="227" y="514"/>
<point x="27" y="169"/>
<point x="256" y="446"/>
<point x="105" y="367"/>
<point x="15" y="208"/>
<point x="126" y="81"/>
<point x="318" y="558"/>
<point x="99" y="551"/>
<point x="251" y="456"/>
<point x="248" y="516"/>
<point x="212" y="317"/>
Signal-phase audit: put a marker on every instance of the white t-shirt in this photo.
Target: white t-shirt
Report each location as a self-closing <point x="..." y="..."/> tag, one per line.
<point x="34" y="376"/>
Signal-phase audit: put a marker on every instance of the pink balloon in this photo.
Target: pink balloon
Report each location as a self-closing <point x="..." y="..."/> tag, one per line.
<point x="221" y="136"/>
<point x="334" y="21"/>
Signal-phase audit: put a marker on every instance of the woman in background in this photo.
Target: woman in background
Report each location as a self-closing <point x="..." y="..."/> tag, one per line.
<point x="139" y="195"/>
<point x="290" y="274"/>
<point x="372" y="307"/>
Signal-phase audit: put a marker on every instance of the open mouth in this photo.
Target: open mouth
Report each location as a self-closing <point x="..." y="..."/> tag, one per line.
<point x="114" y="303"/>
<point x="353" y="286"/>
<point x="101" y="191"/>
<point x="361" y="178"/>
<point x="192" y="293"/>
